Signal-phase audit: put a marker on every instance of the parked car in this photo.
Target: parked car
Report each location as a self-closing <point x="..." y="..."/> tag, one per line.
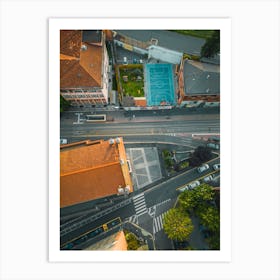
<point x="203" y="168"/>
<point x="185" y="188"/>
<point x="190" y="186"/>
<point x="213" y="146"/>
<point x="63" y="141"/>
<point x="214" y="139"/>
<point x="216" y="166"/>
<point x="207" y="178"/>
<point x="194" y="185"/>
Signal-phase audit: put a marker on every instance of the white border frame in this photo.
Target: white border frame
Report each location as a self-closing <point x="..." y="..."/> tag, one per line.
<point x="55" y="25"/>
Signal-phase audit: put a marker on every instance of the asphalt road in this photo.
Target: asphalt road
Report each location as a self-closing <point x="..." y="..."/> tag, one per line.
<point x="168" y="39"/>
<point x="146" y="127"/>
<point x="153" y="196"/>
<point x="138" y="125"/>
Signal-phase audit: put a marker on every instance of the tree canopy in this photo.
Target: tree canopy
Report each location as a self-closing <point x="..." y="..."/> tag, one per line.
<point x="210" y="218"/>
<point x="177" y="224"/>
<point x="201" y="201"/>
<point x="64" y="104"/>
<point x="200" y="155"/>
<point x="191" y="199"/>
<point x="212" y="45"/>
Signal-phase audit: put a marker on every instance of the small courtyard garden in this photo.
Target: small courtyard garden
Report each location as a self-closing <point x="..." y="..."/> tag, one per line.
<point x="132" y="80"/>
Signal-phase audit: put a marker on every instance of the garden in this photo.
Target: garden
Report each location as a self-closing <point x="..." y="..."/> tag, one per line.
<point x="132" y="80"/>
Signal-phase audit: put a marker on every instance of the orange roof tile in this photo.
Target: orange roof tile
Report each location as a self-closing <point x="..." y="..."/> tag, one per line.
<point x="70" y="42"/>
<point x="140" y="102"/>
<point x="91" y="170"/>
<point x="115" y="242"/>
<point x="80" y="63"/>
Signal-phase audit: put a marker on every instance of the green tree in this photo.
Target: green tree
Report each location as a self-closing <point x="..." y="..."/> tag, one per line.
<point x="199" y="196"/>
<point x="200" y="155"/>
<point x="132" y="242"/>
<point x="214" y="241"/>
<point x="203" y="153"/>
<point x="187" y="200"/>
<point x="210" y="218"/>
<point x="64" y="104"/>
<point x="177" y="225"/>
<point x="212" y="45"/>
<point x="204" y="192"/>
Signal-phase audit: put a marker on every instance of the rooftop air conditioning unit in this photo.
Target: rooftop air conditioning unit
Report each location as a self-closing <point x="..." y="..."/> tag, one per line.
<point x="111" y="141"/>
<point x="83" y="47"/>
<point x="118" y="140"/>
<point x="120" y="190"/>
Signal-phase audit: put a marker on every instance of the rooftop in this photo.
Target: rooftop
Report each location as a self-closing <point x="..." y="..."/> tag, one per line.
<point x="80" y="62"/>
<point x="201" y="78"/>
<point x="92" y="36"/>
<point x="91" y="170"/>
<point x="159" y="84"/>
<point x="114" y="242"/>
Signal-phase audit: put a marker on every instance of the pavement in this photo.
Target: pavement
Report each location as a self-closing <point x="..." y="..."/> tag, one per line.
<point x="122" y="116"/>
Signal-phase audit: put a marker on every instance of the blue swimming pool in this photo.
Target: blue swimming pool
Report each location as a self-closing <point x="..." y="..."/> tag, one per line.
<point x="159" y="84"/>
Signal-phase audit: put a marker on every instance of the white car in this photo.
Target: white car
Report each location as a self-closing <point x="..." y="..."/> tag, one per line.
<point x="203" y="168"/>
<point x="207" y="178"/>
<point x="193" y="185"/>
<point x="216" y="166"/>
<point x="213" y="146"/>
<point x="189" y="186"/>
<point x="63" y="141"/>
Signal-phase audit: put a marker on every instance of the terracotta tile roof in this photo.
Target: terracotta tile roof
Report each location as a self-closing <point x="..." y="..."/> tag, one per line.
<point x="70" y="42"/>
<point x="91" y="171"/>
<point x="80" y="63"/>
<point x="89" y="185"/>
<point x="115" y="242"/>
<point x="87" y="156"/>
<point x="140" y="102"/>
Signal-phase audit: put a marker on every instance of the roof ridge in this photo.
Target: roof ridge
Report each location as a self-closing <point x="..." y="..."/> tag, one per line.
<point x="89" y="169"/>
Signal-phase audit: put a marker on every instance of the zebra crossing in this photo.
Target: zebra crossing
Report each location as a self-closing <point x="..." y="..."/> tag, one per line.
<point x="158" y="223"/>
<point x="133" y="219"/>
<point x="140" y="204"/>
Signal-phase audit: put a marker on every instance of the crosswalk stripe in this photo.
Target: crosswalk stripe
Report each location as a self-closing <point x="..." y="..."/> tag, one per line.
<point x="155" y="228"/>
<point x="140" y="204"/>
<point x="158" y="223"/>
<point x="141" y="212"/>
<point x="138" y="196"/>
<point x="133" y="219"/>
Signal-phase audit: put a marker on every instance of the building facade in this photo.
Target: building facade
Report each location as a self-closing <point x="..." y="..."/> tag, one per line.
<point x="84" y="66"/>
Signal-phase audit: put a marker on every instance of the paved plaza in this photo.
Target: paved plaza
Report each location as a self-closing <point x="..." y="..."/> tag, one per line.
<point x="145" y="166"/>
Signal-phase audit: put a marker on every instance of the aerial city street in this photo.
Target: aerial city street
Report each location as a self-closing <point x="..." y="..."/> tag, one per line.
<point x="139" y="140"/>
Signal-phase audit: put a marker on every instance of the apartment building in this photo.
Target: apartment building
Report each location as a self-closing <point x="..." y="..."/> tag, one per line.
<point x="84" y="66"/>
<point x="93" y="169"/>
